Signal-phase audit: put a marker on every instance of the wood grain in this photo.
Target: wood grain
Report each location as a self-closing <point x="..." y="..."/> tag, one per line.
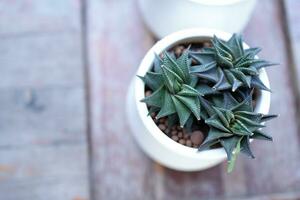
<point x="41" y="60"/>
<point x="277" y="166"/>
<point x="116" y="46"/>
<point x="44" y="172"/>
<point x="43" y="141"/>
<point x="121" y="171"/>
<point x="21" y="17"/>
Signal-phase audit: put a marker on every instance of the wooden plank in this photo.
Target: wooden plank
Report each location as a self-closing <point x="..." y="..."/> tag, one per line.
<point x="110" y="148"/>
<point x="46" y="116"/>
<point x="277" y="166"/>
<point x="41" y="60"/>
<point x="44" y="172"/>
<point x="43" y="142"/>
<point x="120" y="170"/>
<point x="32" y="17"/>
<point x="115" y="48"/>
<point x="280" y="196"/>
<point x="293" y="25"/>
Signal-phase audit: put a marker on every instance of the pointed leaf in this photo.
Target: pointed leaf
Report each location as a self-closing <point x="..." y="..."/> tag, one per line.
<point x="257" y="83"/>
<point x="236" y="151"/>
<point x="156" y="98"/>
<point x="182" y="111"/>
<point x="268" y="117"/>
<point x="168" y="107"/>
<point x="192" y="103"/>
<point x="171" y="63"/>
<point x="183" y="64"/>
<point x="261" y="136"/>
<point x="216" y="123"/>
<point x="203" y="57"/>
<point x="245" y="147"/>
<point x="187" y="90"/>
<point x="153" y="80"/>
<point x="230" y="144"/>
<point x="236" y="45"/>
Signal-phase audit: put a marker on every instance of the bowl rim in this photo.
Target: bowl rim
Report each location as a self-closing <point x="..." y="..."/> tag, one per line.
<point x="183" y="36"/>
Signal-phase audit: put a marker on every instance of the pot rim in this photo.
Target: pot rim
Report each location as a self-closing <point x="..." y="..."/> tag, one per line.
<point x="184" y="36"/>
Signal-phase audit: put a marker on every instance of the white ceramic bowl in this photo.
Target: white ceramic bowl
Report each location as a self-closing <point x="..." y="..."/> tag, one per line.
<point x="166" y="16"/>
<point x="149" y="137"/>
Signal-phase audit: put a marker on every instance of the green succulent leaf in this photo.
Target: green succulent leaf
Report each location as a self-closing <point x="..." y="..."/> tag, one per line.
<point x="240" y="67"/>
<point x="168" y="107"/>
<point x="245" y="144"/>
<point x="153" y="80"/>
<point x="182" y="111"/>
<point x="261" y="136"/>
<point x="156" y="98"/>
<point x="233" y="124"/>
<point x="174" y="88"/>
<point x="232" y="148"/>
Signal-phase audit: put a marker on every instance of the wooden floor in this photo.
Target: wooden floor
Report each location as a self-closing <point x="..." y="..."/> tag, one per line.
<point x="65" y="68"/>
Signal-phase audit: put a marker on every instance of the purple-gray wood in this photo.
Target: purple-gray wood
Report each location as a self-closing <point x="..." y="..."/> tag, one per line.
<point x="34" y="17"/>
<point x="43" y="145"/>
<point x="121" y="170"/>
<point x="43" y="122"/>
<point x="293" y="33"/>
<point x="277" y="166"/>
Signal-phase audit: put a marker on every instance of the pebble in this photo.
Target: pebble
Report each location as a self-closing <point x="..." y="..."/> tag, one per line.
<point x="162" y="127"/>
<point x="188" y="143"/>
<point x="162" y="120"/>
<point x="175" y="138"/>
<point x="180" y="134"/>
<point x="178" y="50"/>
<point x="186" y="136"/>
<point x="206" y="44"/>
<point x="194" y="62"/>
<point x="153" y="115"/>
<point x="174" y="132"/>
<point x="182" y="141"/>
<point x="148" y="93"/>
<point x="197" y="137"/>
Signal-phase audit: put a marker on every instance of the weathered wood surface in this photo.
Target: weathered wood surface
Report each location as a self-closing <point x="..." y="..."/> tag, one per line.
<point x="43" y="146"/>
<point x="293" y="35"/>
<point x="34" y="17"/>
<point x="43" y="119"/>
<point x="117" y="40"/>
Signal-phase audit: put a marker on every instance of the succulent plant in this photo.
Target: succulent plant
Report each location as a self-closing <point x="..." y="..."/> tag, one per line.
<point x="233" y="124"/>
<point x="229" y="66"/>
<point x="173" y="88"/>
<point x="218" y="90"/>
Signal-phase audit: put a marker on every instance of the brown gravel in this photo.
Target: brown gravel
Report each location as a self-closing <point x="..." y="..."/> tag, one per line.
<point x="178" y="50"/>
<point x="178" y="134"/>
<point x="182" y="141"/>
<point x="197" y="137"/>
<point x="188" y="143"/>
<point x="148" y="93"/>
<point x="162" y="127"/>
<point x="175" y="138"/>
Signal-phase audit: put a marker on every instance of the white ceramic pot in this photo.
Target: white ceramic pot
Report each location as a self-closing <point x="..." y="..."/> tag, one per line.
<point x="166" y="16"/>
<point x="149" y="137"/>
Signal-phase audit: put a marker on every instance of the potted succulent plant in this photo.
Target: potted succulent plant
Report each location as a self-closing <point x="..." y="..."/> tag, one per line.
<point x="200" y="96"/>
<point x="228" y="15"/>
